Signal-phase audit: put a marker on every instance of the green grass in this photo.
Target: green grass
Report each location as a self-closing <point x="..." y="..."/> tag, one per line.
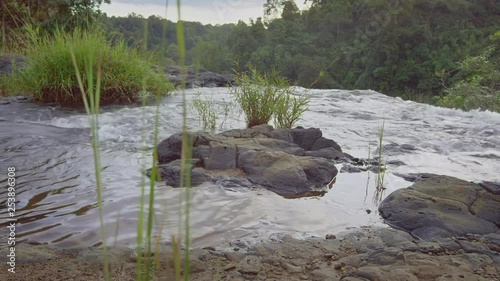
<point x="50" y="72"/>
<point x="289" y="108"/>
<point x="382" y="167"/>
<point x="91" y="100"/>
<point x="206" y="112"/>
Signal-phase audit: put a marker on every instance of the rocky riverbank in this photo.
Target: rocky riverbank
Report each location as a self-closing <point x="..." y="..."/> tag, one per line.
<point x="359" y="255"/>
<point x="355" y="255"/>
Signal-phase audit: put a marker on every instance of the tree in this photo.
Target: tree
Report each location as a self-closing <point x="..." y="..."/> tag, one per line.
<point x="45" y="15"/>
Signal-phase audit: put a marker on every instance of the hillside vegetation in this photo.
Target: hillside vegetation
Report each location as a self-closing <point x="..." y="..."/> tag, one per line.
<point x="419" y="49"/>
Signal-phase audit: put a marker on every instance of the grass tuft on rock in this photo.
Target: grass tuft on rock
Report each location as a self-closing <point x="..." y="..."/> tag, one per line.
<point x="264" y="95"/>
<point x="50" y="74"/>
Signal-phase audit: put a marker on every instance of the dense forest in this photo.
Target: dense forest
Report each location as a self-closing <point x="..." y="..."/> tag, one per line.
<point x="444" y="51"/>
<point x="405" y="48"/>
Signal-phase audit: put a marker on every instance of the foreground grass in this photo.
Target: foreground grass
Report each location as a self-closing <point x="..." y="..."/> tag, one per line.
<point x="96" y="68"/>
<point x="50" y="74"/>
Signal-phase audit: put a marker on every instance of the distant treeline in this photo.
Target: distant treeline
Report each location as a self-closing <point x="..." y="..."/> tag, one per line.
<point x="444" y="51"/>
<point x="395" y="47"/>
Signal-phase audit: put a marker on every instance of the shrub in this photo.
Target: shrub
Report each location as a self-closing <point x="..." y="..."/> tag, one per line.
<point x="262" y="96"/>
<point x="50" y="73"/>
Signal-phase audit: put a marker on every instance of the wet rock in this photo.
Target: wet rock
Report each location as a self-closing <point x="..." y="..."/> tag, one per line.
<point x="491" y="187"/>
<point x="456" y="206"/>
<point x="322" y="143"/>
<point x="349" y="168"/>
<point x="396" y="163"/>
<point x="328" y="153"/>
<point x="251" y="156"/>
<point x="171" y="173"/>
<point x="306" y="138"/>
<point x="396" y="149"/>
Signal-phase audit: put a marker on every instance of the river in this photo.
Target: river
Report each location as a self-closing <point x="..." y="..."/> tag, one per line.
<point x="56" y="201"/>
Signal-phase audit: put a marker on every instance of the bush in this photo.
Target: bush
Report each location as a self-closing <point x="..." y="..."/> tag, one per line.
<point x="479" y="87"/>
<point x="262" y="96"/>
<point x="50" y="72"/>
<point x="467" y="96"/>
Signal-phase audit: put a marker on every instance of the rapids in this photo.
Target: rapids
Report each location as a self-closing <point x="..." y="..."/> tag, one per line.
<point x="56" y="195"/>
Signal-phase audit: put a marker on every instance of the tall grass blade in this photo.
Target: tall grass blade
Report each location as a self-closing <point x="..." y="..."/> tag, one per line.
<point x="186" y="147"/>
<point x="93" y="113"/>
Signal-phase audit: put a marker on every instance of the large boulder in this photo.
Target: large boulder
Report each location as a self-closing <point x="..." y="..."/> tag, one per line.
<point x="279" y="160"/>
<point x="436" y="206"/>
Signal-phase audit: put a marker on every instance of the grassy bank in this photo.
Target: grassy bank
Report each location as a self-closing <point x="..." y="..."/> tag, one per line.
<point x="49" y="75"/>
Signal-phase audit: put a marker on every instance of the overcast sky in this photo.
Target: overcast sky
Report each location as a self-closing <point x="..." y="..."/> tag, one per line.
<point x="205" y="11"/>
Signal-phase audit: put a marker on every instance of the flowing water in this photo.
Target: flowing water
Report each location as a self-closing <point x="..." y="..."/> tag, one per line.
<point x="56" y="196"/>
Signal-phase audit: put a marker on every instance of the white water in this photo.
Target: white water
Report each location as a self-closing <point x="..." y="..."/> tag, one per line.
<point x="56" y="189"/>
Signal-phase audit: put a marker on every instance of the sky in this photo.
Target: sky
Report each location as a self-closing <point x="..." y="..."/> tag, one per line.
<point x="204" y="11"/>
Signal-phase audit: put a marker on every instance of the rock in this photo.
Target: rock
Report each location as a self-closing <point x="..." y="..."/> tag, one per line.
<point x="305" y="138"/>
<point x="250" y="157"/>
<point x="281" y="134"/>
<point x="349" y="168"/>
<point x="436" y="206"/>
<point x="430" y="233"/>
<point x="322" y="143"/>
<point x="328" y="153"/>
<point x="396" y="257"/>
<point x="171" y="173"/>
<point x="278" y="171"/>
<point x="249" y="265"/>
<point x="487" y="207"/>
<point x="396" y="149"/>
<point x="222" y="157"/>
<point x="197" y="78"/>
<point x="170" y="149"/>
<point x="491" y="187"/>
